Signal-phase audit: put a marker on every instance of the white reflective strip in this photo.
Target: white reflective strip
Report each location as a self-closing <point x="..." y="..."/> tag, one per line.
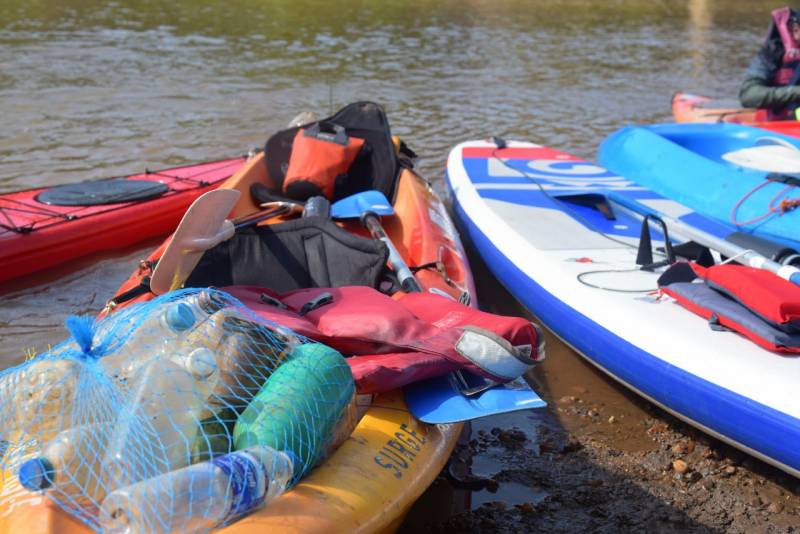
<point x="490" y="355"/>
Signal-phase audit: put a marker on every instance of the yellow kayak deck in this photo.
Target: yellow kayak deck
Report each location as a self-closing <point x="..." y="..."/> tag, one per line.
<point x="366" y="485"/>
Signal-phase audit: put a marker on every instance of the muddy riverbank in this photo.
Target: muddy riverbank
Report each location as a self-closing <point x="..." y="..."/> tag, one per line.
<point x="601" y="459"/>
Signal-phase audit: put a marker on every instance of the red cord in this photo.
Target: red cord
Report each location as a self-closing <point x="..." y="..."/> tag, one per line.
<point x="785" y="205"/>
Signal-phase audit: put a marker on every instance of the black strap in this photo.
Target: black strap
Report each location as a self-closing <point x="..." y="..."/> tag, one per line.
<point x="134" y="292"/>
<point x="317" y="302"/>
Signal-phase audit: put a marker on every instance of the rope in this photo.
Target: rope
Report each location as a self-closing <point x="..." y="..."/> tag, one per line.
<point x="784" y="206"/>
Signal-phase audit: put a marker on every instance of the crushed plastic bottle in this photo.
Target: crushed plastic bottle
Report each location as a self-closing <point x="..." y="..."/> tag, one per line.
<point x="156" y="336"/>
<point x="40" y="393"/>
<point x="201" y="496"/>
<point x="161" y="425"/>
<point x="69" y="466"/>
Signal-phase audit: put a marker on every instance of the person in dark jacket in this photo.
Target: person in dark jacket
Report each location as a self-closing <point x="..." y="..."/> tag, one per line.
<point x="773" y="77"/>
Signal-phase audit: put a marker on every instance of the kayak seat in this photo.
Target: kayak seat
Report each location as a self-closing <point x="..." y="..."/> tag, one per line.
<point x="376" y="165"/>
<point x="303" y="253"/>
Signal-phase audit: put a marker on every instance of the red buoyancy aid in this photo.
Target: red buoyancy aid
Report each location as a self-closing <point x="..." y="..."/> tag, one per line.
<point x="753" y="302"/>
<point x="789" y="61"/>
<point x="396" y="342"/>
<point x="791" y="48"/>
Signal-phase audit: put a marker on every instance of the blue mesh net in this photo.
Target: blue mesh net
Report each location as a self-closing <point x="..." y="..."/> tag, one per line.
<point x="180" y="414"/>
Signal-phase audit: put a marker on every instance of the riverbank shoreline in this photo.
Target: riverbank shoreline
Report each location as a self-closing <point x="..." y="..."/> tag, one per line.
<point x="600" y="458"/>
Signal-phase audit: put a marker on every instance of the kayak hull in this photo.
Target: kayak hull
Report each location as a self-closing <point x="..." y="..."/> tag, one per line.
<point x="550" y="256"/>
<point x="35" y="236"/>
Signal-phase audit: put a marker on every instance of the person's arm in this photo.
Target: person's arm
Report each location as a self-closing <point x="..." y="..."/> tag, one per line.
<point x="756" y="91"/>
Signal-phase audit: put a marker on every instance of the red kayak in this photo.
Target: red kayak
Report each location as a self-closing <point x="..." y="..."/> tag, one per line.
<point x="694" y="108"/>
<point x="43" y="227"/>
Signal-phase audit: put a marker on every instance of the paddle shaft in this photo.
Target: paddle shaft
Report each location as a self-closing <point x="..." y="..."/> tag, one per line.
<point x="726" y="248"/>
<point x="404" y="275"/>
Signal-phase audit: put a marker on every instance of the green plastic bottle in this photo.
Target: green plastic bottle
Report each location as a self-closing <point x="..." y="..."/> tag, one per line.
<point x="299" y="407"/>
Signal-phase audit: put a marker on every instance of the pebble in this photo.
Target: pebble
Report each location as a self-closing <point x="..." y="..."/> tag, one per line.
<point x="612" y="419"/>
<point x="679" y="448"/>
<point x="708" y="484"/>
<point x="728" y="471"/>
<point x="775" y="508"/>
<point x="680" y="466"/>
<point x="693" y="477"/>
<point x="657" y="428"/>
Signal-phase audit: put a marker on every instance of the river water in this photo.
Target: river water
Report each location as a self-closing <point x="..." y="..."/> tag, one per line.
<point x="88" y="91"/>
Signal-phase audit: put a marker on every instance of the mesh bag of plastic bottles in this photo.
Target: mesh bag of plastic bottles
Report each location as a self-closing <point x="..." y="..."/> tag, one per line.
<point x="176" y="415"/>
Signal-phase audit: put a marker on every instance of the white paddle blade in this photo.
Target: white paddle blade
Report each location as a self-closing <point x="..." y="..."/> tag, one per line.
<point x="203" y="226"/>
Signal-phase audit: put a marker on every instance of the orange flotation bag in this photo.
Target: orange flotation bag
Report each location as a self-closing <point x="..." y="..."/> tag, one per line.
<point x="321" y="155"/>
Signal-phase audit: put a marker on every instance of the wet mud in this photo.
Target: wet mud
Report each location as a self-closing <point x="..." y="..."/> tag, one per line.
<point x="598" y="459"/>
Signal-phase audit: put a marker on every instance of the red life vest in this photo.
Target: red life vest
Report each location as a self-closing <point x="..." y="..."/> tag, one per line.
<point x="753" y="302"/>
<point x="790" y="59"/>
<point x="392" y="343"/>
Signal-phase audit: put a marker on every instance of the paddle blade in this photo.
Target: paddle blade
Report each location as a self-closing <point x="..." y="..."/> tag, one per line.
<point x="202" y="227"/>
<point x="354" y="206"/>
<point x="439" y="400"/>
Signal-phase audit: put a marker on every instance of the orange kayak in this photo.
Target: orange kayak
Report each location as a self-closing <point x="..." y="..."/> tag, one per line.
<point x="370" y="482"/>
<point x="694" y="108"/>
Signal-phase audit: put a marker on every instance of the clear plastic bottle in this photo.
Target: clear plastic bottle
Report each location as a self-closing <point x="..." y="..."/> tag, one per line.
<point x="201" y="496"/>
<point x="69" y="464"/>
<point x="155" y="336"/>
<point x="157" y="434"/>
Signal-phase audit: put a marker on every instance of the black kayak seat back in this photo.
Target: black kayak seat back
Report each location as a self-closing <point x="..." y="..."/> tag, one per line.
<point x="302" y="253"/>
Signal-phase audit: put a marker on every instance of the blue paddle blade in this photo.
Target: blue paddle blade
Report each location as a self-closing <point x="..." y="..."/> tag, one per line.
<point x="439" y="400"/>
<point x="354" y="206"/>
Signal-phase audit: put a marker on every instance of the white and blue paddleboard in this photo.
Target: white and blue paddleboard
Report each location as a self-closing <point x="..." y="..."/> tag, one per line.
<point x="546" y="224"/>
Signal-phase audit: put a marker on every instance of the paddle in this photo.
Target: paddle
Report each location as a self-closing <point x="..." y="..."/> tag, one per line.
<point x="368" y="206"/>
<point x="726" y="248"/>
<point x="441" y="400"/>
<point x="203" y="226"/>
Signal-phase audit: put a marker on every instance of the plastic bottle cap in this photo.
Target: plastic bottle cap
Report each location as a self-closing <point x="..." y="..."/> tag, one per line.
<point x="180" y="317"/>
<point x="201" y="363"/>
<point x="36" y="474"/>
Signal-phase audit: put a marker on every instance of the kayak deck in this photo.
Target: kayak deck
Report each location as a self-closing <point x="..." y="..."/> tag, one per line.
<point x="35" y="236"/>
